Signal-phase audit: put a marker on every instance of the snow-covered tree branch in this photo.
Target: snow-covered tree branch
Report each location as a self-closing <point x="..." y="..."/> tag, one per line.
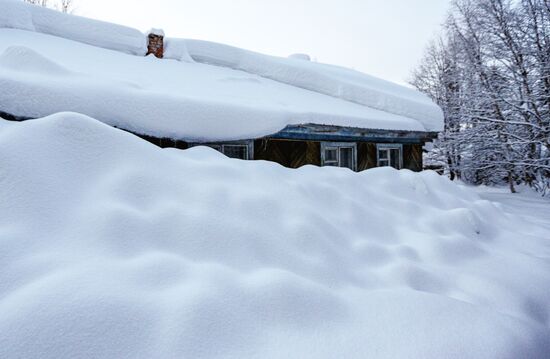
<point x="66" y="6"/>
<point x="490" y="72"/>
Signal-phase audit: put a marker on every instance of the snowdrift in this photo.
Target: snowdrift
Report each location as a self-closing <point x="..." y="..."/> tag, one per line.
<point x="113" y="248"/>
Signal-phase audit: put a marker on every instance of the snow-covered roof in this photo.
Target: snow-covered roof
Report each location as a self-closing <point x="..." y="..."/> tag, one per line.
<point x="52" y="62"/>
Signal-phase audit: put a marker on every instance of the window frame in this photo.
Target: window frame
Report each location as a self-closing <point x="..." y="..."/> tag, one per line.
<point x="247" y="156"/>
<point x="220" y="147"/>
<point x="338" y="145"/>
<point x="388" y="147"/>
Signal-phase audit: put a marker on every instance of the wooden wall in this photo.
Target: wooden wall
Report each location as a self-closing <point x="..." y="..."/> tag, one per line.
<point x="292" y="154"/>
<point x="295" y="154"/>
<point x="366" y="155"/>
<point x="412" y="157"/>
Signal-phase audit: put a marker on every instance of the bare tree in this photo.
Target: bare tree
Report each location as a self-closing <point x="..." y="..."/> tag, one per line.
<point x="490" y="72"/>
<point x="66" y="6"/>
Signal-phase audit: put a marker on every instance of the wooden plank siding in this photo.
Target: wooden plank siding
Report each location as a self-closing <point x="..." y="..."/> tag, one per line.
<point x="366" y="155"/>
<point x="291" y="154"/>
<point x="295" y="154"/>
<point x="412" y="157"/>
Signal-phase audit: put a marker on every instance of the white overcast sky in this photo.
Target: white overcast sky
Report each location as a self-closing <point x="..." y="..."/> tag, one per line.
<point x="385" y="38"/>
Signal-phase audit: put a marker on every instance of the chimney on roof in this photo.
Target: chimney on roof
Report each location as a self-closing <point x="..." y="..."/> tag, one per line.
<point x="155" y="43"/>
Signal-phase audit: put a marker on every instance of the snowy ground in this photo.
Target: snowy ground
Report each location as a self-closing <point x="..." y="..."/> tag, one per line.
<point x="527" y="205"/>
<point x="113" y="248"/>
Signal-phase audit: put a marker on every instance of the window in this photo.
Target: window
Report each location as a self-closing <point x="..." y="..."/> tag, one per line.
<point x="241" y="150"/>
<point x="390" y="155"/>
<point x="235" y="151"/>
<point x="339" y="155"/>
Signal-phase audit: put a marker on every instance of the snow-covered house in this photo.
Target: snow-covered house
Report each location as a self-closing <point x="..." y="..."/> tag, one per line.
<point x="190" y="92"/>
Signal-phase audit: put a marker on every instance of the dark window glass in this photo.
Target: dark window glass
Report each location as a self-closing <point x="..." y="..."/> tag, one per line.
<point x="395" y="158"/>
<point x="389" y="157"/>
<point x="331" y="155"/>
<point x="346" y="157"/>
<point x="236" y="151"/>
<point x="383" y="157"/>
<point x="339" y="155"/>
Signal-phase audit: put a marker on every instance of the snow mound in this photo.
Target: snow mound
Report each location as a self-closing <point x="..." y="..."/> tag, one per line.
<point x="113" y="248"/>
<point x="330" y="80"/>
<point x="21" y="16"/>
<point x="23" y="59"/>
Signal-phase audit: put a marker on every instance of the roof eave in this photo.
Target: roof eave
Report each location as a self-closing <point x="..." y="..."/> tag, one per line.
<point x="314" y="132"/>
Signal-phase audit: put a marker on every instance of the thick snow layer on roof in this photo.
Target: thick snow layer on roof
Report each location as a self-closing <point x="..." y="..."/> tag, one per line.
<point x="163" y="97"/>
<point x="113" y="248"/>
<point x="157" y="32"/>
<point x="244" y="95"/>
<point x="330" y="80"/>
<point x="18" y="15"/>
<point x="176" y="49"/>
<point x="304" y="57"/>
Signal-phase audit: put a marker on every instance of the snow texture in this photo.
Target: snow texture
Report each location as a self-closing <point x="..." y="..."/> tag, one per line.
<point x="111" y="247"/>
<point x="304" y="57"/>
<point x="15" y="14"/>
<point x="157" y="32"/>
<point x="330" y="80"/>
<point x="176" y="49"/>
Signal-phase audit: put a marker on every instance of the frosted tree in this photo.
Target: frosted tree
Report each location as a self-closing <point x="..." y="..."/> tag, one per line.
<point x="66" y="6"/>
<point x="490" y="72"/>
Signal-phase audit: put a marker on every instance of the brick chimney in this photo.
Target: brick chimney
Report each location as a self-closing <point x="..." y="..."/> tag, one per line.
<point x="155" y="43"/>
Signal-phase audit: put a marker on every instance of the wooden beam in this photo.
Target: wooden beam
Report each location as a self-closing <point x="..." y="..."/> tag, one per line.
<point x="312" y="132"/>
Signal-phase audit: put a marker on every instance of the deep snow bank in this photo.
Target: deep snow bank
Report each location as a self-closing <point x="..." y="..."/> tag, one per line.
<point x="18" y="15"/>
<point x="113" y="248"/>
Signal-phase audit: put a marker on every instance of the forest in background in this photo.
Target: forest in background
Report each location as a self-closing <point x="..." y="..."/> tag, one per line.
<point x="66" y="6"/>
<point x="490" y="72"/>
